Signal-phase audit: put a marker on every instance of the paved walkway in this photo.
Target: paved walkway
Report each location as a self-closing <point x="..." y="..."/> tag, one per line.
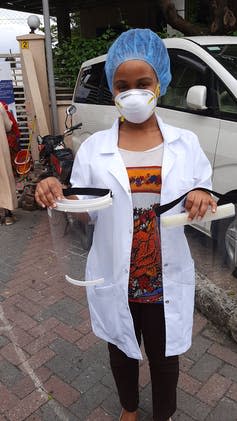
<point x="53" y="368"/>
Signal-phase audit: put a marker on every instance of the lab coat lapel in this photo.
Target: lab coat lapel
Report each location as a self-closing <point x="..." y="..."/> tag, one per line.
<point x="118" y="170"/>
<point x="170" y="134"/>
<point x="115" y="165"/>
<point x="168" y="161"/>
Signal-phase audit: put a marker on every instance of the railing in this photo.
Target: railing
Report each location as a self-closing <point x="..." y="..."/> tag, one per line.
<point x="63" y="90"/>
<point x="19" y="94"/>
<point x="63" y="93"/>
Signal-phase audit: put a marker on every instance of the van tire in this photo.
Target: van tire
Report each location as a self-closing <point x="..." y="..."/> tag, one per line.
<point x="221" y="233"/>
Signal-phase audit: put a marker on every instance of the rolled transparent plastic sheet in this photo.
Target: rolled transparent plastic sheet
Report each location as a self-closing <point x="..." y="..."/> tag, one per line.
<point x="72" y="224"/>
<point x="223" y="211"/>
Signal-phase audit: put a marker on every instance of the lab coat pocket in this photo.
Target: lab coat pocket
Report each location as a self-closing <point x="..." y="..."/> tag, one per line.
<point x="107" y="306"/>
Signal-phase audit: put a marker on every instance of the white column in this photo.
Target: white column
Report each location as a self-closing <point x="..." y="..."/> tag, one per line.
<point x="180" y="7"/>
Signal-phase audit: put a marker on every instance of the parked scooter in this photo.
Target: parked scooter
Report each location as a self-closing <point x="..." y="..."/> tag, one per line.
<point x="54" y="154"/>
<point x="58" y="161"/>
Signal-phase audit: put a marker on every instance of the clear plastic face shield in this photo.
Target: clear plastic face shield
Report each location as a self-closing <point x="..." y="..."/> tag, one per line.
<point x="72" y="224"/>
<point x="212" y="243"/>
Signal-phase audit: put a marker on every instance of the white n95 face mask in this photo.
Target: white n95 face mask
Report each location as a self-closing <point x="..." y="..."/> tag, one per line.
<point x="136" y="105"/>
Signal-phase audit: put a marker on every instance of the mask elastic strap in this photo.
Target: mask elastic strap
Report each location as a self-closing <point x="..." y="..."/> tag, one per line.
<point x="156" y="94"/>
<point x="157" y="91"/>
<point x="87" y="191"/>
<point x="229" y="197"/>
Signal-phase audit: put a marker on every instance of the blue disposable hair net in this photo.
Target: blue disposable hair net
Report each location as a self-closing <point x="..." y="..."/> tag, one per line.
<point x="139" y="44"/>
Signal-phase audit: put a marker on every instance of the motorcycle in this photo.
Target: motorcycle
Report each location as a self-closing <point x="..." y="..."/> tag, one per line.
<point x="54" y="155"/>
<point x="57" y="159"/>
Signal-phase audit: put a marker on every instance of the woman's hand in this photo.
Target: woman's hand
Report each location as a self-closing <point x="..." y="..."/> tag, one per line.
<point x="48" y="191"/>
<point x="197" y="203"/>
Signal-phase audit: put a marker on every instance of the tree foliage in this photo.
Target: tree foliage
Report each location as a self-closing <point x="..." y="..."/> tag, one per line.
<point x="69" y="55"/>
<point x="219" y="17"/>
<point x="214" y="17"/>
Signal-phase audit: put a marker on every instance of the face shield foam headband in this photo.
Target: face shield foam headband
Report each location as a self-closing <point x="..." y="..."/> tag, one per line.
<point x="137" y="105"/>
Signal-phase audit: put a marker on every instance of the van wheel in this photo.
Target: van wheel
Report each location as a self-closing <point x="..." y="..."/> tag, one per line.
<point x="224" y="234"/>
<point x="231" y="246"/>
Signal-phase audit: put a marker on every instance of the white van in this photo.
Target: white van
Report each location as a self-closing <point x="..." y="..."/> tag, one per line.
<point x="202" y="97"/>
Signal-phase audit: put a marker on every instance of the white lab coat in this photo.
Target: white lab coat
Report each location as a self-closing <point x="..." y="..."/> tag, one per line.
<point x="98" y="163"/>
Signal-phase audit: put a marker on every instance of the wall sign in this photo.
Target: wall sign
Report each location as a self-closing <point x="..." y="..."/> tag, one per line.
<point x="24" y="44"/>
<point x="6" y="86"/>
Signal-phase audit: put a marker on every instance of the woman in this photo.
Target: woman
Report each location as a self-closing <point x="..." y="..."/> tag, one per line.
<point x="149" y="273"/>
<point x="8" y="199"/>
<point x="13" y="135"/>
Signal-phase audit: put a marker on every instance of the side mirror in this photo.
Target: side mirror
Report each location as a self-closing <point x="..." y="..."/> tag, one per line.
<point x="197" y="97"/>
<point x="71" y="110"/>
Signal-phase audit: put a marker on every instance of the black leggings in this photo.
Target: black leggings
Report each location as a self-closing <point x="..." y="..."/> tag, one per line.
<point x="149" y="323"/>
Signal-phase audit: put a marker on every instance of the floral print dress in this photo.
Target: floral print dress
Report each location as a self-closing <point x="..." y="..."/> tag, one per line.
<point x="144" y="172"/>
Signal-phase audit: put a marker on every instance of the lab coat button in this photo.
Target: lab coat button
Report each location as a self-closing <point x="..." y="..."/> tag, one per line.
<point x="126" y="270"/>
<point x="166" y="264"/>
<point x="130" y="231"/>
<point x="166" y="301"/>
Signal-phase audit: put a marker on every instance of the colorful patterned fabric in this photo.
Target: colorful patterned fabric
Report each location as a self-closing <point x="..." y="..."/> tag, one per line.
<point x="145" y="281"/>
<point x="14" y="135"/>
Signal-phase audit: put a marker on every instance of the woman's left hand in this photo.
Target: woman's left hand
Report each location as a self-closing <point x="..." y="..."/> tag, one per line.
<point x="197" y="203"/>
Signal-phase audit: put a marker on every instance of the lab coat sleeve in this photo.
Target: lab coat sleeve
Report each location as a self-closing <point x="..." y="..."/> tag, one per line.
<point x="202" y="170"/>
<point x="81" y="176"/>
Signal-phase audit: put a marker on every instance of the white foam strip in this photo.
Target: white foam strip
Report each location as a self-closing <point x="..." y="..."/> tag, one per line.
<point x="223" y="211"/>
<point x="84" y="283"/>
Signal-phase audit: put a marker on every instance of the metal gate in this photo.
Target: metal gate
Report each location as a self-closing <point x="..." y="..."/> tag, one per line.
<point x="19" y="94"/>
<point x="63" y="93"/>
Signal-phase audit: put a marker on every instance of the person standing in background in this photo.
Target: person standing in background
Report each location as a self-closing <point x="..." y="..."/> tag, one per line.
<point x="13" y="135"/>
<point x="9" y="133"/>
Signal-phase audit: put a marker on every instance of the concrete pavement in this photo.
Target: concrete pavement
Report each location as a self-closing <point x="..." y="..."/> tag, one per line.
<point x="53" y="368"/>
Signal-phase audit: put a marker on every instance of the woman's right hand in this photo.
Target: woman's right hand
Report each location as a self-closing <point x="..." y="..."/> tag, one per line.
<point x="48" y="191"/>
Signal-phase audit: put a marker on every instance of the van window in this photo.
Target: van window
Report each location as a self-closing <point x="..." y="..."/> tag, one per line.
<point x="92" y="87"/>
<point x="187" y="70"/>
<point x="227" y="104"/>
<point x="105" y="94"/>
<point x="226" y="54"/>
